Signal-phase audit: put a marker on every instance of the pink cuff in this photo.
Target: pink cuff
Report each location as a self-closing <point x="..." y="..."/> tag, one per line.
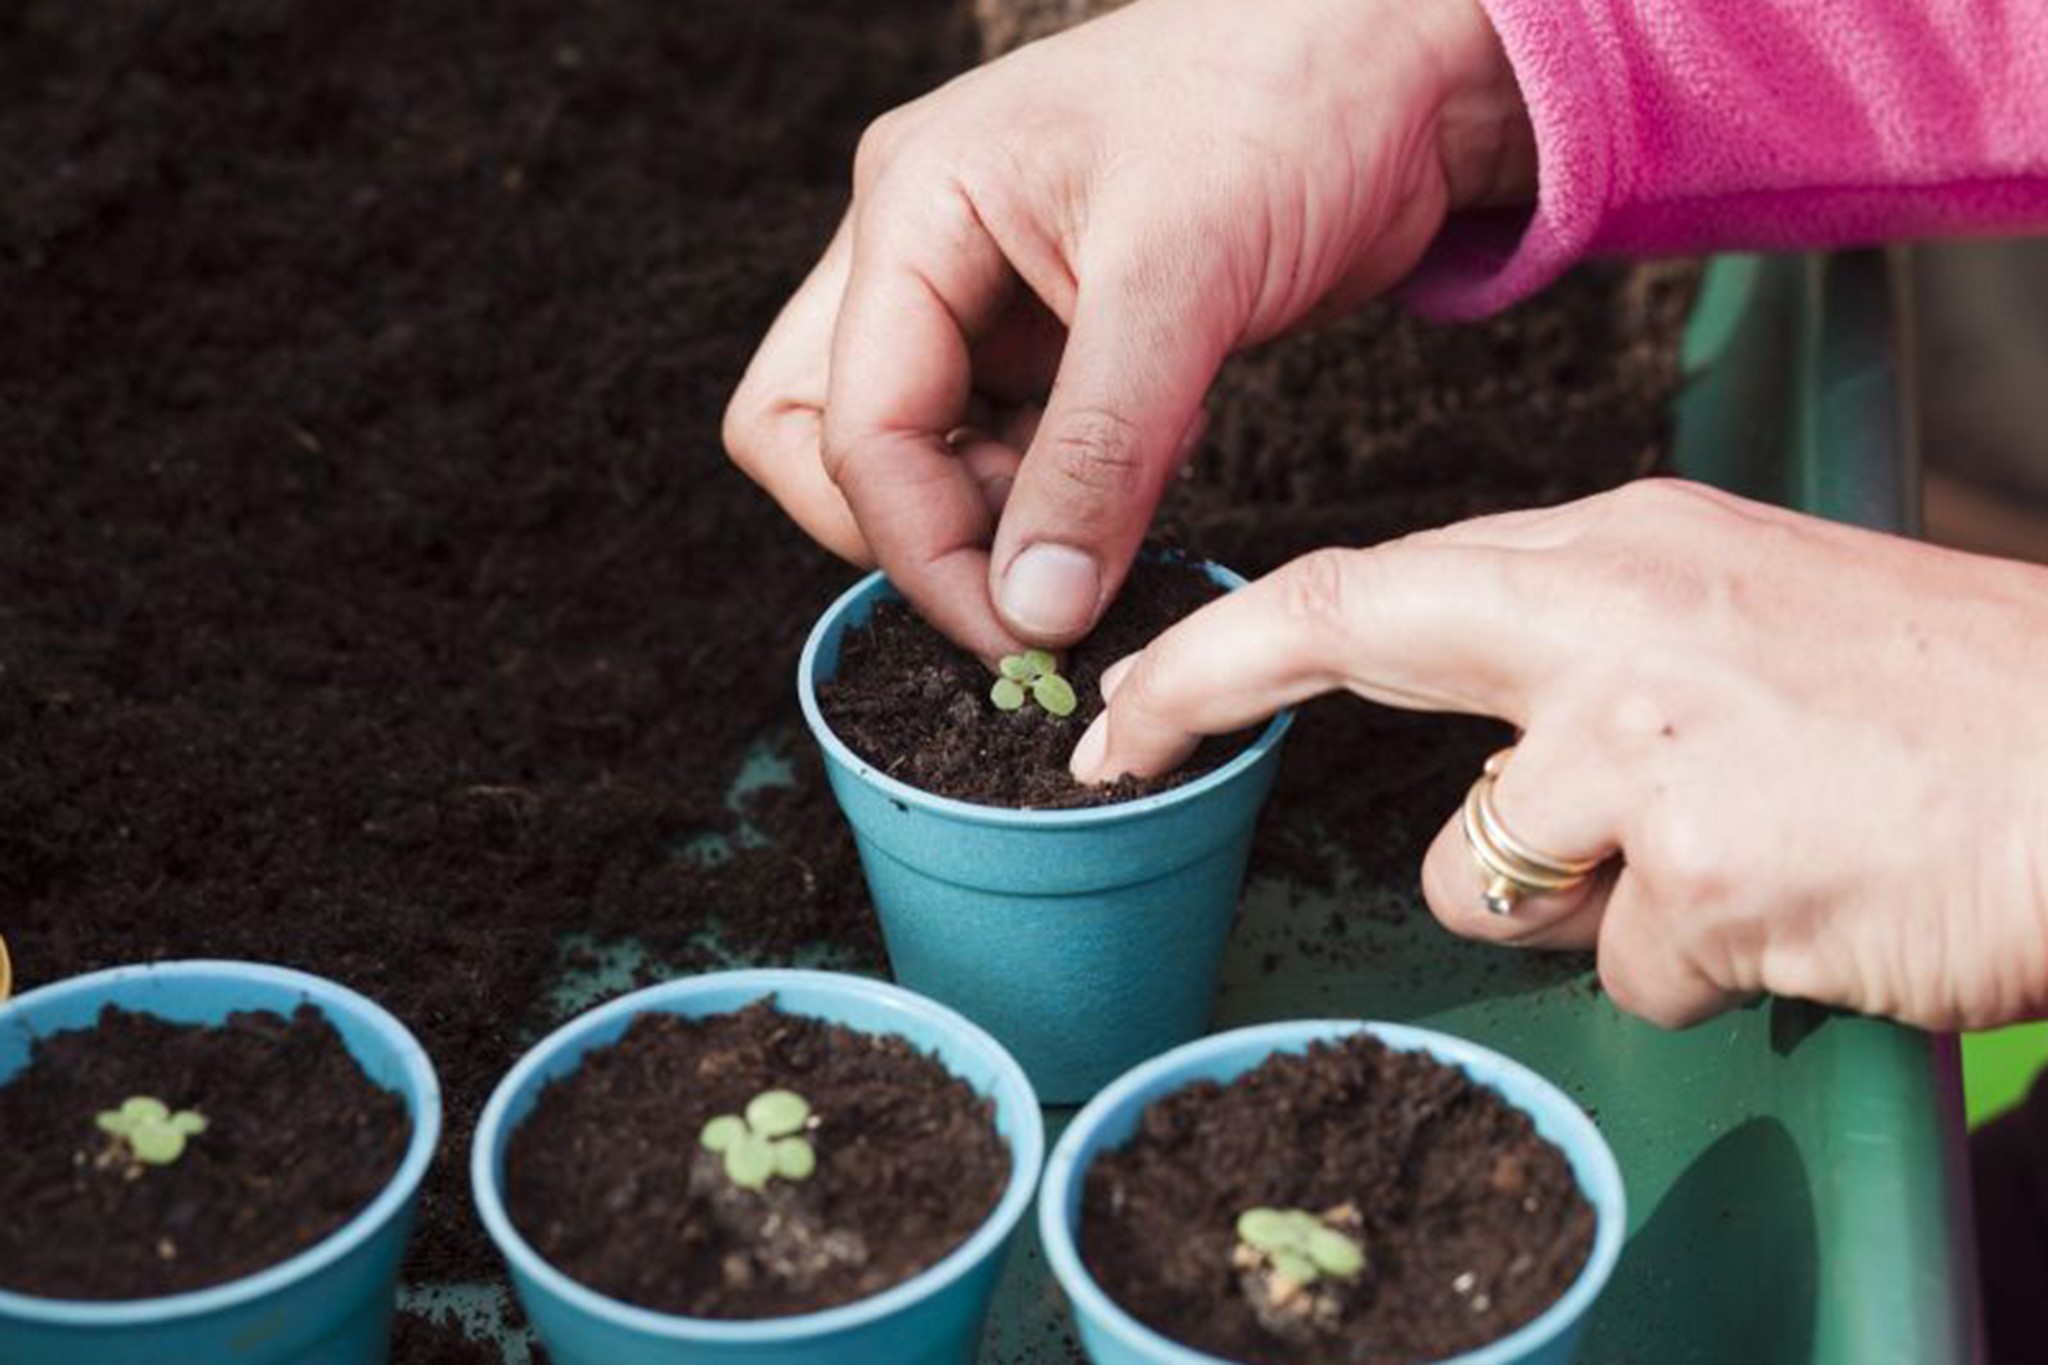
<point x="1664" y="126"/>
<point x="1482" y="262"/>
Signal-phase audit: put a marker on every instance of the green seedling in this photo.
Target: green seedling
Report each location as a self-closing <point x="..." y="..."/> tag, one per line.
<point x="153" y="1133"/>
<point x="766" y="1143"/>
<point x="1299" y="1246"/>
<point x="1032" y="675"/>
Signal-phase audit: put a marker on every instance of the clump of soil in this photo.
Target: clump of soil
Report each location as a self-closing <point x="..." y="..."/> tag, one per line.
<point x="607" y="1179"/>
<point x="298" y="1140"/>
<point x="1471" y="1223"/>
<point x="917" y="707"/>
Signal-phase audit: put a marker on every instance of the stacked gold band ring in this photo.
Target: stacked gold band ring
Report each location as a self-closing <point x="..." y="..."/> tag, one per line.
<point x="1511" y="869"/>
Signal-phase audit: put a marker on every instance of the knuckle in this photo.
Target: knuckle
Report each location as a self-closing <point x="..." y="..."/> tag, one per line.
<point x="1638" y="588"/>
<point x="1618" y="982"/>
<point x="1670" y="520"/>
<point x="878" y="145"/>
<point x="1661" y="497"/>
<point x="1682" y="859"/>
<point x="1138" y="697"/>
<point x="835" y="452"/>
<point x="1624" y="982"/>
<point x="1630" y="718"/>
<point x="1096" y="451"/>
<point x="1316" y="588"/>
<point x="740" y="431"/>
<point x="1652" y="581"/>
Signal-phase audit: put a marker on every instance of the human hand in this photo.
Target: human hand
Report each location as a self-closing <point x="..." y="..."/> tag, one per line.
<point x="1102" y="217"/>
<point x="1819" y="752"/>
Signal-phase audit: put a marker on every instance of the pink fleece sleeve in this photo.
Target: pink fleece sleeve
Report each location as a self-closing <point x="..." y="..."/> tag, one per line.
<point x="1687" y="125"/>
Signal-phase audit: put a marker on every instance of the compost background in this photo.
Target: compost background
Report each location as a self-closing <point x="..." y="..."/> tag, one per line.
<point x="374" y="595"/>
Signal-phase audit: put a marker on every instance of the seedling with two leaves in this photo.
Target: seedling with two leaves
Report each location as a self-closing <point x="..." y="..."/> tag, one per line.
<point x="1032" y="675"/>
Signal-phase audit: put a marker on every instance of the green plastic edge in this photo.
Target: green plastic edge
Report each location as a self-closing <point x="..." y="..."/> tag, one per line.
<point x="1817" y="341"/>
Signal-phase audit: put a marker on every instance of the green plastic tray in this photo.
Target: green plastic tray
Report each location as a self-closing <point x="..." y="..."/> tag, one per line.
<point x="1795" y="1177"/>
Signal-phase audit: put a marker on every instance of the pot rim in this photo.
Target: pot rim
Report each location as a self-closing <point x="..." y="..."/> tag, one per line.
<point x="1165" y="1074"/>
<point x="417" y="1082"/>
<point x="1010" y="1090"/>
<point x="970" y="812"/>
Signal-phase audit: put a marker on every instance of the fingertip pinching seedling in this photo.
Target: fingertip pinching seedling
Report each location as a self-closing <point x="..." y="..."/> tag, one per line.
<point x="1032" y="675"/>
<point x="766" y="1143"/>
<point x="153" y="1134"/>
<point x="1298" y="1246"/>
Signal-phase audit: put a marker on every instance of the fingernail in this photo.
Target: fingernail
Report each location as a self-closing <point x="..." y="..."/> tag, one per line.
<point x="1090" y="752"/>
<point x="1050" y="591"/>
<point x="1113" y="676"/>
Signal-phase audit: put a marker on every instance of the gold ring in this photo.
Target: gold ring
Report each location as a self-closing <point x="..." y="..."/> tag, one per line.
<point x="6" y="972"/>
<point x="1512" y="869"/>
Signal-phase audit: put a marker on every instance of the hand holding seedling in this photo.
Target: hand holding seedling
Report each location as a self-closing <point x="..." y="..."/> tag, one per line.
<point x="1819" y="752"/>
<point x="152" y="1134"/>
<point x="766" y="1143"/>
<point x="1092" y="224"/>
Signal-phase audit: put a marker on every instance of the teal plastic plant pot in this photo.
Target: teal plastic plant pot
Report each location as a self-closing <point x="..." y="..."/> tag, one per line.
<point x="1112" y="1336"/>
<point x="1085" y="940"/>
<point x="933" y="1317"/>
<point x="329" y="1305"/>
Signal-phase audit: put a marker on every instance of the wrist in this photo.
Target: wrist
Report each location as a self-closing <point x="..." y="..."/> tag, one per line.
<point x="1484" y="140"/>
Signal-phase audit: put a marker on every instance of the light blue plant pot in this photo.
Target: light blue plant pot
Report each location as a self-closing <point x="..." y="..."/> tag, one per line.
<point x="329" y="1305"/>
<point x="1084" y="940"/>
<point x="934" y="1316"/>
<point x="1113" y="1337"/>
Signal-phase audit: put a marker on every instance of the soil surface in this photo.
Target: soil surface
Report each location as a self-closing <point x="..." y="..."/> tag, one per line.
<point x="917" y="707"/>
<point x="298" y="1140"/>
<point x="1471" y="1224"/>
<point x="608" y="1181"/>
<point x="374" y="596"/>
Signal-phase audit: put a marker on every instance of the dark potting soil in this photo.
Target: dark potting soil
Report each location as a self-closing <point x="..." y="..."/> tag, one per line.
<point x="298" y="1140"/>
<point x="607" y="1179"/>
<point x="917" y="707"/>
<point x="374" y="596"/>
<point x="1472" y="1224"/>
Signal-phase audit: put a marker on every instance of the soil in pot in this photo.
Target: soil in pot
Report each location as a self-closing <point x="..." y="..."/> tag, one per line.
<point x="610" y="1180"/>
<point x="1470" y="1224"/>
<point x="297" y="1141"/>
<point x="920" y="709"/>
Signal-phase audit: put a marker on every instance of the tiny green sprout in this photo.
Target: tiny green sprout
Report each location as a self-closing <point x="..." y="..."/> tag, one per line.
<point x="766" y="1143"/>
<point x="1299" y="1246"/>
<point x="153" y="1133"/>
<point x="1032" y="675"/>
